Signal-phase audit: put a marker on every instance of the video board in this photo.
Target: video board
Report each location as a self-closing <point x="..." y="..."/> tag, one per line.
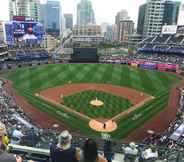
<point x="19" y="31"/>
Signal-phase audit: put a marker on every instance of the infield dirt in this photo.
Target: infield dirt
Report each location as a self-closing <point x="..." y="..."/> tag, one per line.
<point x="158" y="123"/>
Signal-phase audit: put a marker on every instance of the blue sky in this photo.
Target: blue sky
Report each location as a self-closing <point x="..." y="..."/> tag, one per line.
<point x="105" y="10"/>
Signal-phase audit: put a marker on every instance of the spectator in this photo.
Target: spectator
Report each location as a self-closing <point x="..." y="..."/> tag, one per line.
<point x="89" y="152"/>
<point x="4" y="156"/>
<point x="2" y="132"/>
<point x="131" y="152"/>
<point x="5" y="140"/>
<point x="63" y="151"/>
<point x="108" y="153"/>
<point x="150" y="154"/>
<point x="17" y="135"/>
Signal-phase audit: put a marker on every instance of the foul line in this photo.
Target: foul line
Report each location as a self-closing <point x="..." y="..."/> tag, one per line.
<point x="115" y="118"/>
<point x="65" y="108"/>
<point x="131" y="109"/>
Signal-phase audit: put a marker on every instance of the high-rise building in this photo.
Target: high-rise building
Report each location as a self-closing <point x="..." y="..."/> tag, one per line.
<point x="104" y="26"/>
<point x="88" y="34"/>
<point x="153" y="17"/>
<point x="107" y="32"/>
<point x="141" y="18"/>
<point x="1" y="32"/>
<point x="156" y="13"/>
<point x="108" y="35"/>
<point x="124" y="25"/>
<point x="181" y="15"/>
<point x="171" y="12"/>
<point x="68" y="21"/>
<point x="50" y="17"/>
<point x="126" y="28"/>
<point x="30" y="9"/>
<point x="87" y="30"/>
<point x="115" y="33"/>
<point x="122" y="15"/>
<point x="85" y="13"/>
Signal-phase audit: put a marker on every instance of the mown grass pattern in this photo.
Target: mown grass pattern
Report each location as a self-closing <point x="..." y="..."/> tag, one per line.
<point x="30" y="81"/>
<point x="113" y="105"/>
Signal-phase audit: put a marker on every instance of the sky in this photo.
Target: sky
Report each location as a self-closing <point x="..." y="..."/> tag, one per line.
<point x="105" y="10"/>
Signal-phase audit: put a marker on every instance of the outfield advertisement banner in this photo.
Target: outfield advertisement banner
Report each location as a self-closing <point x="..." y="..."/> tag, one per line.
<point x="148" y="65"/>
<point x="152" y="65"/>
<point x="167" y="66"/>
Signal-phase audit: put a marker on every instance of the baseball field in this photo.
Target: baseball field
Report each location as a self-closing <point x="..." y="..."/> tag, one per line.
<point x="130" y="96"/>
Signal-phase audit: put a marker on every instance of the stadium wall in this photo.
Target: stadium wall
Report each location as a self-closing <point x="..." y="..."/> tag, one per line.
<point x="153" y="66"/>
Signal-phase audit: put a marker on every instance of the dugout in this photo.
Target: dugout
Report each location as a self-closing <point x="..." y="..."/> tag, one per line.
<point x="82" y="55"/>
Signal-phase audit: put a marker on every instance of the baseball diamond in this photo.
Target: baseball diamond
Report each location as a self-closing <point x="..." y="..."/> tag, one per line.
<point x="150" y="94"/>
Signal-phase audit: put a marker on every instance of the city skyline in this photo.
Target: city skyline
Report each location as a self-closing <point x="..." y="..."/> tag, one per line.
<point x="70" y="6"/>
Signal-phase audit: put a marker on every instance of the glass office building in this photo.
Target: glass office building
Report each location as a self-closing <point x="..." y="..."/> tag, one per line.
<point x="171" y="12"/>
<point x="30" y="9"/>
<point x="50" y="17"/>
<point x="85" y="13"/>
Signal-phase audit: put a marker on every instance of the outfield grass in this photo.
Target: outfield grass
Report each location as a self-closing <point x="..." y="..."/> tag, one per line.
<point x="113" y="105"/>
<point x="30" y="81"/>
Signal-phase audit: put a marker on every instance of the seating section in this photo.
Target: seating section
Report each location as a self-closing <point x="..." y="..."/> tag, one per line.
<point x="32" y="56"/>
<point x="160" y="39"/>
<point x="149" y="46"/>
<point x="161" y="47"/>
<point x="147" y="40"/>
<point x="164" y="44"/>
<point x="176" y="39"/>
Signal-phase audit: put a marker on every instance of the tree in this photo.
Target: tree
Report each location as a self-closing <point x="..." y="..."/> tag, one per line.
<point x="130" y="51"/>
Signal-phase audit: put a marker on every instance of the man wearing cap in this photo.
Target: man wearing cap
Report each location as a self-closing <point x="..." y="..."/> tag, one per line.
<point x="63" y="151"/>
<point x="4" y="156"/>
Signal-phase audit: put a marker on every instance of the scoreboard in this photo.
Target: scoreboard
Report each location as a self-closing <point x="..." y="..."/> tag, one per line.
<point x="17" y="29"/>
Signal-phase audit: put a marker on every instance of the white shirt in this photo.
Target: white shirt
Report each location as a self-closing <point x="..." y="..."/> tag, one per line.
<point x="148" y="153"/>
<point x="17" y="134"/>
<point x="130" y="151"/>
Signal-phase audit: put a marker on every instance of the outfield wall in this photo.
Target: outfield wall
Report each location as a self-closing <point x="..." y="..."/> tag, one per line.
<point x="154" y="66"/>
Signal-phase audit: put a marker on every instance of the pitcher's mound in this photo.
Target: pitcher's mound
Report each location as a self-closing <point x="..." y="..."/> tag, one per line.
<point x="96" y="103"/>
<point x="106" y="127"/>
